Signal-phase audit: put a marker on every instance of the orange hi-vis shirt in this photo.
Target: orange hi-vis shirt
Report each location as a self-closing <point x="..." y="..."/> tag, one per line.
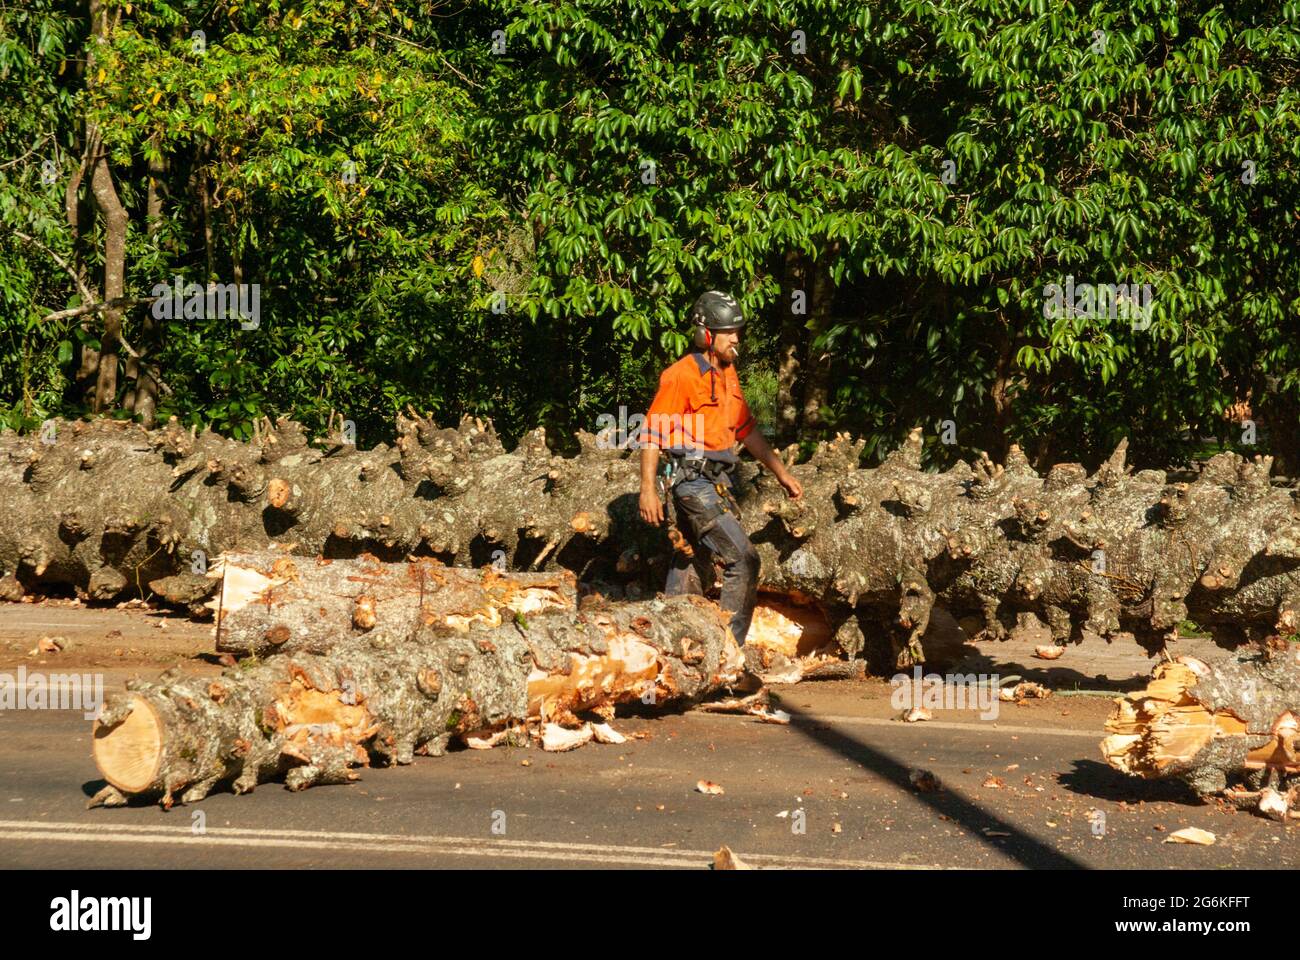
<point x="698" y="410"/>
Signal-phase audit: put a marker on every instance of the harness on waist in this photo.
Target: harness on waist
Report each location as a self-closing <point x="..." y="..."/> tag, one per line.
<point x="680" y="468"/>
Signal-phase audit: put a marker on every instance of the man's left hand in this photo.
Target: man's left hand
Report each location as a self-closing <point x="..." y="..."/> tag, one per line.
<point x="793" y="488"/>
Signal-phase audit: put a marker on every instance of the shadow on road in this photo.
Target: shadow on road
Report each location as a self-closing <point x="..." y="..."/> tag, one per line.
<point x="92" y="787"/>
<point x="1020" y="846"/>
<point x="1056" y="677"/>
<point x="1094" y="779"/>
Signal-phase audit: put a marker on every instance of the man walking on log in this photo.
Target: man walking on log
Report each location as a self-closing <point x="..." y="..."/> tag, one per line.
<point x="697" y="416"/>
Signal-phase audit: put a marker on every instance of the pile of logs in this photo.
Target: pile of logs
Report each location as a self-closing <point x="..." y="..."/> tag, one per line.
<point x="345" y="663"/>
<point x="113" y="510"/>
<point x="348" y="662"/>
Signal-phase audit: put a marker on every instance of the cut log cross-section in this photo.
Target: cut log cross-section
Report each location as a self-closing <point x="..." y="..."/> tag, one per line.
<point x="1214" y="722"/>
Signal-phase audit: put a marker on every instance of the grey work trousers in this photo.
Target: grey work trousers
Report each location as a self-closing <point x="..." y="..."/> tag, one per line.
<point x="722" y="536"/>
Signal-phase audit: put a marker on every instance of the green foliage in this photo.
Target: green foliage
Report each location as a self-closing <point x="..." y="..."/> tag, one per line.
<point x="937" y="166"/>
<point x="36" y="118"/>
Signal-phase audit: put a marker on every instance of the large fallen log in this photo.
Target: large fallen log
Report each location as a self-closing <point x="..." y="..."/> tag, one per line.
<point x="314" y="718"/>
<point x="1215" y="722"/>
<point x="112" y="509"/>
<point x="270" y="602"/>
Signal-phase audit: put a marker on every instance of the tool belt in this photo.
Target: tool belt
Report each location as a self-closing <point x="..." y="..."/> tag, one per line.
<point x="693" y="468"/>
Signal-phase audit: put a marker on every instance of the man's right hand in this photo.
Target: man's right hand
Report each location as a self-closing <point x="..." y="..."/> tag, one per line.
<point x="652" y="508"/>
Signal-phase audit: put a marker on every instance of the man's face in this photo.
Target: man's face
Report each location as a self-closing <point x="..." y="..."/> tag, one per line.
<point x="725" y="343"/>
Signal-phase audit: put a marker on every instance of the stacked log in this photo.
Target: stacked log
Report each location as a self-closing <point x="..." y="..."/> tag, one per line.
<point x="271" y="602"/>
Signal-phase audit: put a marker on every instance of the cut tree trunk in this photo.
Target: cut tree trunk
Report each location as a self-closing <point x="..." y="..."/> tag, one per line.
<point x="313" y="718"/>
<point x="270" y="602"/>
<point x="112" y="509"/>
<point x="1214" y="722"/>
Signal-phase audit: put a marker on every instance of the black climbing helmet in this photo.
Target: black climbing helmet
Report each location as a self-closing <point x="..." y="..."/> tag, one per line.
<point x="717" y="311"/>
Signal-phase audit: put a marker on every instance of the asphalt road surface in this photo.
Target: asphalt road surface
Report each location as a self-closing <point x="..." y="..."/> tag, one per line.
<point x="832" y="789"/>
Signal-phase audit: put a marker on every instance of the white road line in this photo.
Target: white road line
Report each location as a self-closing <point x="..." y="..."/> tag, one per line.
<point x="45" y="836"/>
<point x="415" y="843"/>
<point x="1097" y="735"/>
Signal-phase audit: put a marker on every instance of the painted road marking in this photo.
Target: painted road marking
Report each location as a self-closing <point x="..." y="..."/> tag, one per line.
<point x="416" y="843"/>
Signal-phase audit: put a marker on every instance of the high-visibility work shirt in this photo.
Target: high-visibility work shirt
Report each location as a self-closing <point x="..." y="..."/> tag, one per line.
<point x="698" y="410"/>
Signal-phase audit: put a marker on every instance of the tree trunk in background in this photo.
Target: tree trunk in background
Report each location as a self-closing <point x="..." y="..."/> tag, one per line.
<point x="817" y="360"/>
<point x="77" y="214"/>
<point x="115" y="223"/>
<point x="998" y="441"/>
<point x="205" y="202"/>
<point x="1280" y="412"/>
<point x="142" y="376"/>
<point x="789" y="384"/>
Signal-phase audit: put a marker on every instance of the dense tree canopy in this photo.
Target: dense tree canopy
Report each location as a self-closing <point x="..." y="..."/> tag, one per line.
<point x="506" y="207"/>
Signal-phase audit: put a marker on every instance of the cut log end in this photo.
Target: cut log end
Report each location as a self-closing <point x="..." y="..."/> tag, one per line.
<point x="277" y="492"/>
<point x="1163" y="728"/>
<point x="1210" y="723"/>
<point x="129" y="753"/>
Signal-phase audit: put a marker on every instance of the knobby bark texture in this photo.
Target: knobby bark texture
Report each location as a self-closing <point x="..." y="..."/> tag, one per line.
<point x="1223" y="725"/>
<point x="379" y="696"/>
<point x="112" y="510"/>
<point x="273" y="603"/>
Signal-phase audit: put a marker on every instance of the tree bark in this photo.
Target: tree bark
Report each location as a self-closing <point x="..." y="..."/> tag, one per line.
<point x="115" y="227"/>
<point x="1000" y="391"/>
<point x="141" y="373"/>
<point x="87" y="375"/>
<point x="100" y="364"/>
<point x="1280" y="412"/>
<point x="270" y="602"/>
<point x="205" y="205"/>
